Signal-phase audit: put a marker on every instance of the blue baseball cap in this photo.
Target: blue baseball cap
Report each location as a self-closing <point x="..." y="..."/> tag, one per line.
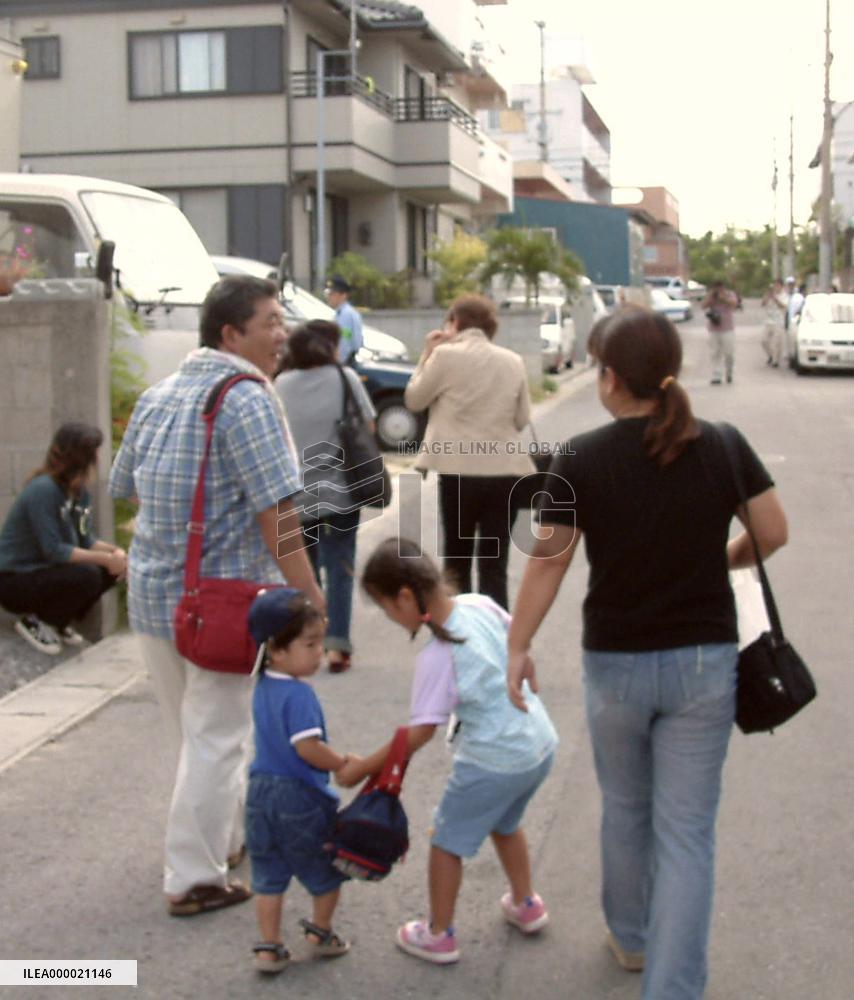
<point x="270" y="613"/>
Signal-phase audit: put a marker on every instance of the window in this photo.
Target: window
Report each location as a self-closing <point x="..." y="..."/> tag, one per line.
<point x="519" y="105"/>
<point x="41" y="240"/>
<point x="207" y="210"/>
<point x="42" y="56"/>
<point x="420" y="226"/>
<point x="227" y="61"/>
<point x="493" y="118"/>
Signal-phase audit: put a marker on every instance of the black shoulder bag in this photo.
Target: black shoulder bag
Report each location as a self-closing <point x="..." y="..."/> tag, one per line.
<point x="364" y="470"/>
<point x="773" y="681"/>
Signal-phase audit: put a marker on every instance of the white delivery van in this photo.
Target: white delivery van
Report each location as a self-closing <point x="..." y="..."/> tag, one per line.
<point x="53" y="224"/>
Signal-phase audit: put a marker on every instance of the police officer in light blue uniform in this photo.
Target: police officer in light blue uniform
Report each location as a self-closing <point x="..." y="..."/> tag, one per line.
<point x="346" y="316"/>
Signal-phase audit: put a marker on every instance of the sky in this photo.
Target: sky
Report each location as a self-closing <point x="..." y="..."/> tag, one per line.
<point x="696" y="95"/>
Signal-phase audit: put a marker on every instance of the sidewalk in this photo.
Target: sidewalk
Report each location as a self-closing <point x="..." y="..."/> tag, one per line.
<point x="55" y="702"/>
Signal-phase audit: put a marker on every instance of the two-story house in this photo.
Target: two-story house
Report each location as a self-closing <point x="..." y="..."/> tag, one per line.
<point x="216" y="103"/>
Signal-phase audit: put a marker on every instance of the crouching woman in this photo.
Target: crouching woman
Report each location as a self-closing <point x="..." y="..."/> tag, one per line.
<point x="52" y="569"/>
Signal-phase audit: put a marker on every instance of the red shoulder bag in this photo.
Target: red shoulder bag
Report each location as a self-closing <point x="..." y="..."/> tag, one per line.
<point x="211" y="620"/>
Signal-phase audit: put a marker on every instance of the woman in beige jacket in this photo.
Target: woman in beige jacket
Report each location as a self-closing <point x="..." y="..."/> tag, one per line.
<point x="477" y="394"/>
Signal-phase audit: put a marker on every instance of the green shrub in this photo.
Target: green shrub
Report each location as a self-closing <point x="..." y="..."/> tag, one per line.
<point x="371" y="288"/>
<point x="460" y="262"/>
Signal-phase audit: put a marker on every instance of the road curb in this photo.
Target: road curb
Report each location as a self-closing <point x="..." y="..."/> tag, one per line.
<point x="49" y="706"/>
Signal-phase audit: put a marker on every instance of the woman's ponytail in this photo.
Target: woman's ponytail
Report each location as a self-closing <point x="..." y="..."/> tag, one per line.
<point x="672" y="425"/>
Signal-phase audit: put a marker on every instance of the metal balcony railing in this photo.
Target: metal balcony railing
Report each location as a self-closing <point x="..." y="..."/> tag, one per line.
<point x="434" y="109"/>
<point x="304" y="84"/>
<point x="401" y="109"/>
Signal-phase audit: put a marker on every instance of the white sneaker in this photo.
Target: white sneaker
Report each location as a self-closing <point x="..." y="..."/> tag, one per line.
<point x="70" y="636"/>
<point x="38" y="634"/>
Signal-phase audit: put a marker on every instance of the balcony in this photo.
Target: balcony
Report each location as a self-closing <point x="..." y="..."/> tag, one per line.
<point x="428" y="146"/>
<point x="496" y="177"/>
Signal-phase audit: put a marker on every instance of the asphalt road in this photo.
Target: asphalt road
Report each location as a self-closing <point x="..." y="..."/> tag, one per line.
<point x="83" y="816"/>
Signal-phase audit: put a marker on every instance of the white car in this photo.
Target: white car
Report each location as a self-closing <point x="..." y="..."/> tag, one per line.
<point x="673" y="309"/>
<point x="824" y="337"/>
<point x="557" y="329"/>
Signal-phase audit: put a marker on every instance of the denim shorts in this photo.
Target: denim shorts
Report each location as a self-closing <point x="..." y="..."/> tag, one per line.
<point x="287" y="824"/>
<point x="478" y="802"/>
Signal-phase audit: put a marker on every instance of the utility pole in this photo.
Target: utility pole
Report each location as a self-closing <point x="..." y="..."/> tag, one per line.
<point x="775" y="249"/>
<point x="825" y="245"/>
<point x="354" y="44"/>
<point x="790" y="245"/>
<point x="543" y="142"/>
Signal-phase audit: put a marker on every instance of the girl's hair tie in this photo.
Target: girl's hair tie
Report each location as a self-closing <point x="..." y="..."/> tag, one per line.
<point x="426" y="617"/>
<point x="666" y="381"/>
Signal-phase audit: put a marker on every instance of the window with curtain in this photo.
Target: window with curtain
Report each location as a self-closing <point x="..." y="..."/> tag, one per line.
<point x="228" y="61"/>
<point x="42" y="57"/>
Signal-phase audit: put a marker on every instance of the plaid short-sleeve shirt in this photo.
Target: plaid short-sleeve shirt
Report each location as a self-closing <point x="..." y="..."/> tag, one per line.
<point x="251" y="468"/>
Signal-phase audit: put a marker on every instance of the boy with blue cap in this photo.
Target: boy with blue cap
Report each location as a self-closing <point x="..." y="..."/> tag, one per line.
<point x="290" y="807"/>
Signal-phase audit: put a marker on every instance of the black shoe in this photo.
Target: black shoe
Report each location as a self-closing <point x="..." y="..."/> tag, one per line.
<point x="715" y="381"/>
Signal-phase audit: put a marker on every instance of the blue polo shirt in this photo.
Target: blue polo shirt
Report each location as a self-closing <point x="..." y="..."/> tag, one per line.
<point x="286" y="710"/>
<point x="350" y="322"/>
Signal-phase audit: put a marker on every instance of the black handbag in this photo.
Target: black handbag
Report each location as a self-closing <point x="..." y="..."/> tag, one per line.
<point x="364" y="469"/>
<point x="774" y="683"/>
<point x="527" y="489"/>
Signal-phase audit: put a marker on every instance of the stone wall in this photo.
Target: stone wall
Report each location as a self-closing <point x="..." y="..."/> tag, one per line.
<point x="54" y="367"/>
<point x="519" y="330"/>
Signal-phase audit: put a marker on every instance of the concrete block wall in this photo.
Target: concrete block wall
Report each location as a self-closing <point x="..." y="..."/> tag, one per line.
<point x="519" y="331"/>
<point x="54" y="367"/>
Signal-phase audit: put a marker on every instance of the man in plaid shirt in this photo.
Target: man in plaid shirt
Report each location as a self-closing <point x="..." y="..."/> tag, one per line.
<point x="252" y="473"/>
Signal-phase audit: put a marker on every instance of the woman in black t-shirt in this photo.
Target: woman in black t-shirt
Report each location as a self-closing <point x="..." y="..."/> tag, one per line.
<point x="652" y="494"/>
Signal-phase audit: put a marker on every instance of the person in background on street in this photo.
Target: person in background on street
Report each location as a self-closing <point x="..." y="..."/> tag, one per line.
<point x="251" y="476"/>
<point x="290" y="808"/>
<point x="774" y="302"/>
<point x="52" y="569"/>
<point x="797" y="296"/>
<point x="652" y="495"/>
<point x="477" y="395"/>
<point x="347" y="317"/>
<point x="313" y="396"/>
<point x="719" y="306"/>
<point x="503" y="756"/>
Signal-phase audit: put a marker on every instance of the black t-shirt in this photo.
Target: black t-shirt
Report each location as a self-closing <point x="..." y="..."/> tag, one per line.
<point x="655" y="537"/>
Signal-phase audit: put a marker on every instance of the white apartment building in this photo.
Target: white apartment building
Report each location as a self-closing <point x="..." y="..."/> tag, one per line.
<point x="578" y="142"/>
<point x="842" y="160"/>
<point x="215" y="103"/>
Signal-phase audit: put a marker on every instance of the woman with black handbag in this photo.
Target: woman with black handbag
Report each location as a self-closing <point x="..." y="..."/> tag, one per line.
<point x="314" y="393"/>
<point x="653" y="495"/>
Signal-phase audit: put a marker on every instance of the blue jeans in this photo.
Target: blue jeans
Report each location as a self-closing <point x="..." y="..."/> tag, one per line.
<point x="660" y="724"/>
<point x="333" y="556"/>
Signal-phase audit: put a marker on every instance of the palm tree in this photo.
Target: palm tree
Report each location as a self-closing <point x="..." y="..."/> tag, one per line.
<point x="528" y="254"/>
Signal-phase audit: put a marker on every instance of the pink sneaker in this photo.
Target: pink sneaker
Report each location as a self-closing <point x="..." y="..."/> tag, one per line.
<point x="529" y="916"/>
<point x="415" y="938"/>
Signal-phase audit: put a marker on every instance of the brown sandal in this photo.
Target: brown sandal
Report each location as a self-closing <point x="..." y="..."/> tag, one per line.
<point x="206" y="898"/>
<point x="281" y="957"/>
<point x="328" y="943"/>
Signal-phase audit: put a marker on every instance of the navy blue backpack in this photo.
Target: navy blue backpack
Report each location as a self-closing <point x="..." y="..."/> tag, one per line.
<point x="372" y="832"/>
